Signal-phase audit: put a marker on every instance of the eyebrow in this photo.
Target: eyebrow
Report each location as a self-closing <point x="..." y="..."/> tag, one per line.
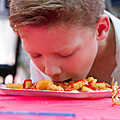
<point x="71" y="47"/>
<point x="68" y="47"/>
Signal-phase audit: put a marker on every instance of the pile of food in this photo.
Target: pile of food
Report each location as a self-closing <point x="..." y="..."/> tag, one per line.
<point x="89" y="84"/>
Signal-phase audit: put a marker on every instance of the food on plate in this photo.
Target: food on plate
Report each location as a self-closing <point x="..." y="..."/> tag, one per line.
<point x="88" y="88"/>
<point x="46" y="84"/>
<point x="27" y="83"/>
<point x="77" y="85"/>
<point x="14" y="85"/>
<point x="55" y="88"/>
<point x="102" y="86"/>
<point x="89" y="84"/>
<point x="43" y="84"/>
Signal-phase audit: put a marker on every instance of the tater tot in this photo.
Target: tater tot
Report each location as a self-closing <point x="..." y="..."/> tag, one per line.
<point x="54" y="88"/>
<point x="27" y="83"/>
<point x="14" y="85"/>
<point x="42" y="84"/>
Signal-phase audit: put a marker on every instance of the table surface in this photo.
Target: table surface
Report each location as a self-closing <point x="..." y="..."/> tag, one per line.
<point x="84" y="109"/>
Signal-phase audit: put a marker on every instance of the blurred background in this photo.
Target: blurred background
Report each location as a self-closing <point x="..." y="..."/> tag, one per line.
<point x="14" y="61"/>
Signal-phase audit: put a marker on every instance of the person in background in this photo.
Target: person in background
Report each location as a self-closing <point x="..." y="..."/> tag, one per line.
<point x="68" y="39"/>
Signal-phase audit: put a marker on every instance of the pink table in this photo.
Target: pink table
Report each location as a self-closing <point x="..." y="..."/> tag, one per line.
<point x="84" y="109"/>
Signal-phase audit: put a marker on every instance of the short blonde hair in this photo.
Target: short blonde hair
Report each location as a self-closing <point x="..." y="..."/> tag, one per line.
<point x="52" y="12"/>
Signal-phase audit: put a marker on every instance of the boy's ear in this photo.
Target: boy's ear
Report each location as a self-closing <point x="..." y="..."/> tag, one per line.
<point x="103" y="26"/>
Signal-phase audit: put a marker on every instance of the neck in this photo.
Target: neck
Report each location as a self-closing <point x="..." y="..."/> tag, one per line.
<point x="105" y="62"/>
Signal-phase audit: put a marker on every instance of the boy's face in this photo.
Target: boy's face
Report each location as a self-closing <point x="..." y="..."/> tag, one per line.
<point x="60" y="52"/>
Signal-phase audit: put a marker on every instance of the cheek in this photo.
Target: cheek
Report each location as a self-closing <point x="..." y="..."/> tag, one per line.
<point x="82" y="60"/>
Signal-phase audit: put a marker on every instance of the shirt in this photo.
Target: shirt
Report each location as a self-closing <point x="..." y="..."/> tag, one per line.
<point x="116" y="25"/>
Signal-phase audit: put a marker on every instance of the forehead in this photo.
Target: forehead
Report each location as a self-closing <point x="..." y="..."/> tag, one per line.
<point x="55" y="38"/>
<point x="48" y="34"/>
<point x="25" y="30"/>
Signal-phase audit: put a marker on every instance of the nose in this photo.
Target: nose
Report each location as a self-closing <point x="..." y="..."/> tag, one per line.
<point x="52" y="67"/>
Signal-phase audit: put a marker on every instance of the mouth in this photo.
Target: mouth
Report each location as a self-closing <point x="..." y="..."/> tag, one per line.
<point x="67" y="80"/>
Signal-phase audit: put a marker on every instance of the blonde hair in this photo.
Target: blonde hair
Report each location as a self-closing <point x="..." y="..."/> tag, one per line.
<point x="52" y="12"/>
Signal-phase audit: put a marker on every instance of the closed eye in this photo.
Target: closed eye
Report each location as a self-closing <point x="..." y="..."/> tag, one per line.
<point x="65" y="56"/>
<point x="36" y="56"/>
